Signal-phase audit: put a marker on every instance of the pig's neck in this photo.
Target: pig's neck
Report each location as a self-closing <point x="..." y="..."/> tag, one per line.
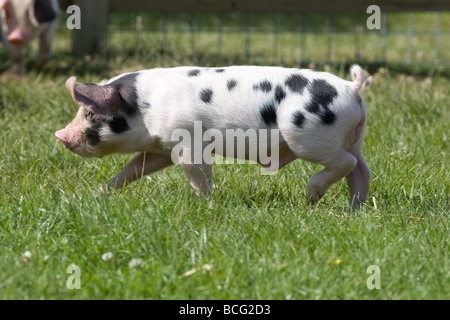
<point x="135" y="140"/>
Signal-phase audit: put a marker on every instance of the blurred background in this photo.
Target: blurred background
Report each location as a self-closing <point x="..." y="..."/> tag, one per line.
<point x="413" y="36"/>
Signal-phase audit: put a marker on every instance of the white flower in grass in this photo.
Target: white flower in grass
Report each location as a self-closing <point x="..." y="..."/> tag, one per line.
<point x="107" y="256"/>
<point x="135" y="263"/>
<point x="206" y="267"/>
<point x="26" y="256"/>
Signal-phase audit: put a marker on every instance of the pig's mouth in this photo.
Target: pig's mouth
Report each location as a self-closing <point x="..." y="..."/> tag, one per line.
<point x="62" y="138"/>
<point x="75" y="147"/>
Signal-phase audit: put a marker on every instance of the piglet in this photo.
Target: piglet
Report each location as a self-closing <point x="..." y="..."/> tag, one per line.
<point x="188" y="115"/>
<point x="23" y="21"/>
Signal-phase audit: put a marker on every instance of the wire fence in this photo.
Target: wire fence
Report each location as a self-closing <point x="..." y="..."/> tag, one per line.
<point x="411" y="38"/>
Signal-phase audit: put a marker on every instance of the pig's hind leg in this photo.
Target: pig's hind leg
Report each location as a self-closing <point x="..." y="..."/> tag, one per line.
<point x="310" y="144"/>
<point x="45" y="45"/>
<point x="358" y="182"/>
<point x="339" y="165"/>
<point x="141" y="165"/>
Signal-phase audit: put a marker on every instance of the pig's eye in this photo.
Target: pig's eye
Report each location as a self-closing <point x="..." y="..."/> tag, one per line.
<point x="89" y="115"/>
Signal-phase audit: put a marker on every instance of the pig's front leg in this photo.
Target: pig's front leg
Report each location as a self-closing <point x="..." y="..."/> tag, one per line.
<point x="141" y="165"/>
<point x="45" y="45"/>
<point x="199" y="174"/>
<point x="18" y="64"/>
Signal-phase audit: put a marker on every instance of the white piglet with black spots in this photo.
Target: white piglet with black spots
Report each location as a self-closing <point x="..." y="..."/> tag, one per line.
<point x="292" y="113"/>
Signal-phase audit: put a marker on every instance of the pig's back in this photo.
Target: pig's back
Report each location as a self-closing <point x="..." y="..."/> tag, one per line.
<point x="246" y="97"/>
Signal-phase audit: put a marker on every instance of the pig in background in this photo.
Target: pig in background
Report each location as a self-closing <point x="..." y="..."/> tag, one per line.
<point x="24" y="20"/>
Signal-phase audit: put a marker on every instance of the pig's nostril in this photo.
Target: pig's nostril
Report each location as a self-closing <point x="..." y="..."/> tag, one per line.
<point x="17" y="42"/>
<point x="61" y="137"/>
<point x="17" y="38"/>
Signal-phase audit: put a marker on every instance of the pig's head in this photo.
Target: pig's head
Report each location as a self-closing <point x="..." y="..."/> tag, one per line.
<point x="102" y="124"/>
<point x="22" y="20"/>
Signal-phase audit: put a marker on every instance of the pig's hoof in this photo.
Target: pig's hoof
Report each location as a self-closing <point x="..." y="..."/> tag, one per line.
<point x="355" y="204"/>
<point x="11" y="73"/>
<point x="16" y="70"/>
<point x="314" y="196"/>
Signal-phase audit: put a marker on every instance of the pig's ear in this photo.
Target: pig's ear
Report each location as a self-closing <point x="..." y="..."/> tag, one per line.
<point x="103" y="100"/>
<point x="3" y="3"/>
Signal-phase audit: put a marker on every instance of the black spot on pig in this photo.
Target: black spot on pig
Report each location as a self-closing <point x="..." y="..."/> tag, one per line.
<point x="220" y="70"/>
<point x="206" y="95"/>
<point x="118" y="125"/>
<point x="296" y="83"/>
<point x="269" y="114"/>
<point x="328" y="117"/>
<point x="231" y="84"/>
<point x="322" y="96"/>
<point x="322" y="92"/>
<point x="264" y="86"/>
<point x="44" y="11"/>
<point x="298" y="118"/>
<point x="194" y="73"/>
<point x="93" y="134"/>
<point x="126" y="87"/>
<point x="280" y="94"/>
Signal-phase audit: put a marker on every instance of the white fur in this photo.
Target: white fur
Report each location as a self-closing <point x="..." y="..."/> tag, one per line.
<point x="175" y="103"/>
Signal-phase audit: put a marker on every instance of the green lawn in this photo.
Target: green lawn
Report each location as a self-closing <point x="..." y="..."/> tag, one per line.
<point x="257" y="237"/>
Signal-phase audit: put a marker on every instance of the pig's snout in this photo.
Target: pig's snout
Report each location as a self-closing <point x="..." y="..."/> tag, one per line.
<point x="66" y="136"/>
<point x="61" y="135"/>
<point x="17" y="38"/>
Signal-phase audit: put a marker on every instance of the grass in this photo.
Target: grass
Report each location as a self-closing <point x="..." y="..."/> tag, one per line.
<point x="257" y="237"/>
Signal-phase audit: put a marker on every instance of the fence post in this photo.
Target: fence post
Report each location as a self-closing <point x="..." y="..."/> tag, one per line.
<point x="437" y="33"/>
<point x="91" y="38"/>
